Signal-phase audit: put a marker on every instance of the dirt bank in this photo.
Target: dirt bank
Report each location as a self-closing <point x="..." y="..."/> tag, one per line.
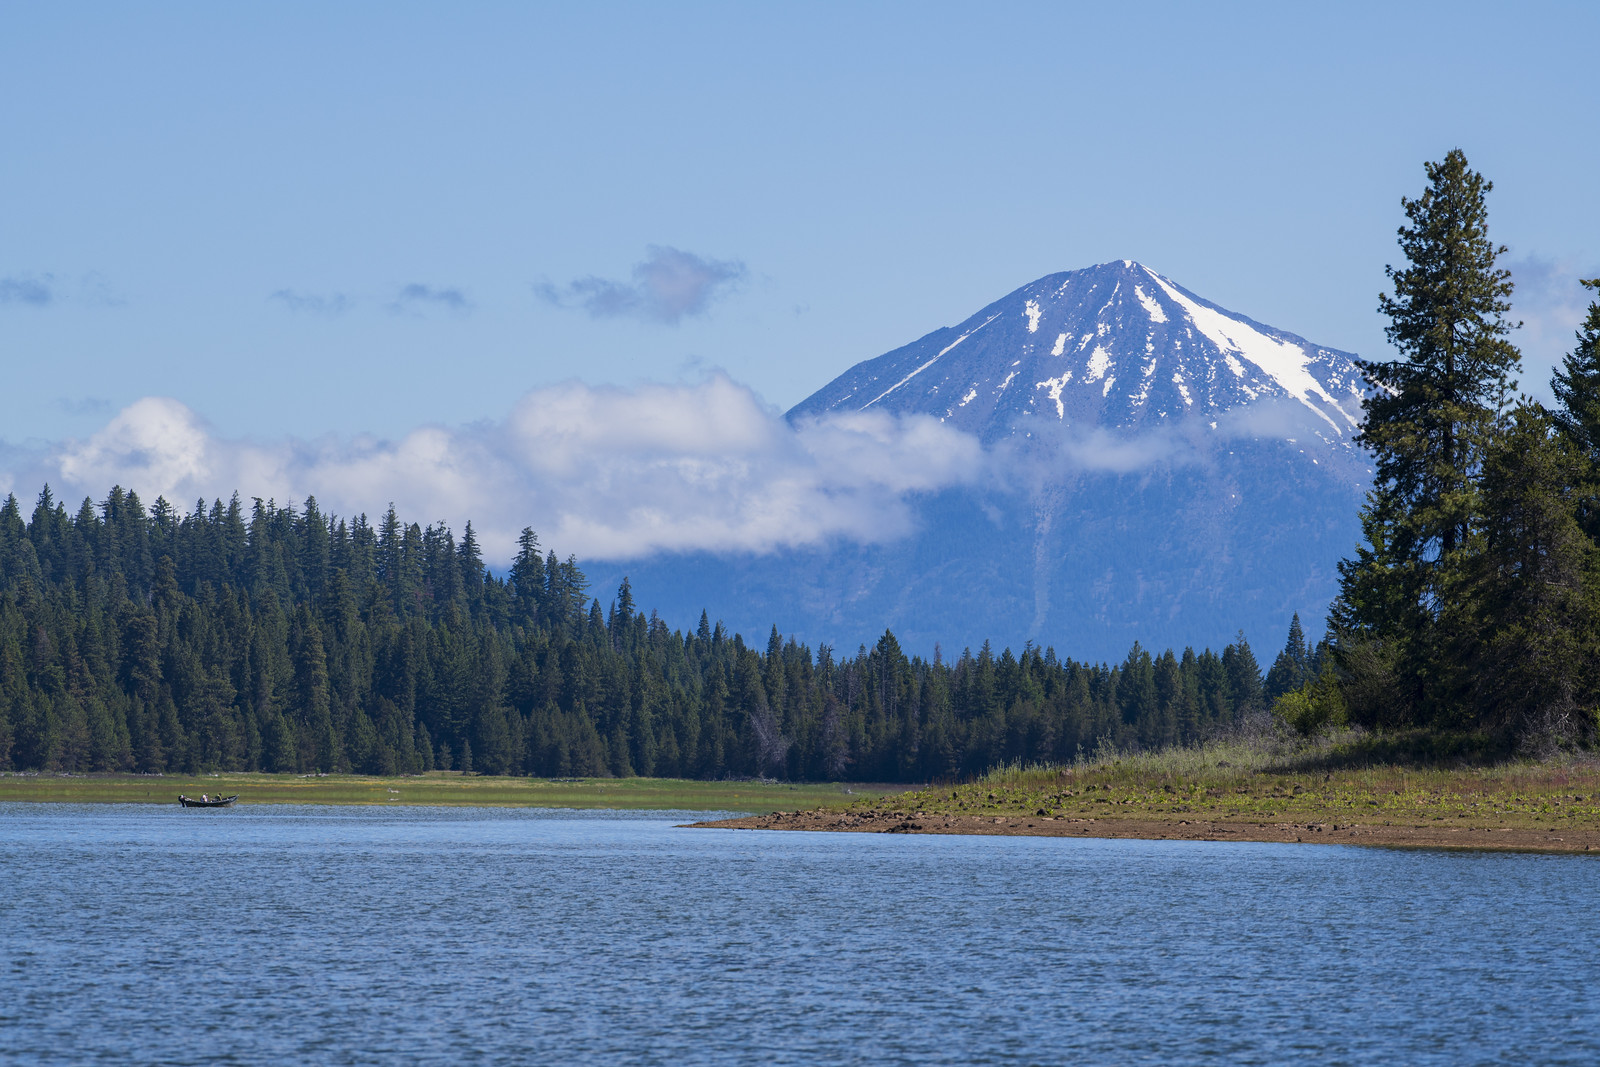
<point x="1557" y="839"/>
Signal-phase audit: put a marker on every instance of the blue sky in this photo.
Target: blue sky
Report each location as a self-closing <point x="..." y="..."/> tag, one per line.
<point x="310" y="220"/>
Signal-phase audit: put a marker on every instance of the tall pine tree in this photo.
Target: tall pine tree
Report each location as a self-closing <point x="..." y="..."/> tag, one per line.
<point x="1577" y="389"/>
<point x="1292" y="668"/>
<point x="1577" y="384"/>
<point x="1429" y="417"/>
<point x="1528" y="613"/>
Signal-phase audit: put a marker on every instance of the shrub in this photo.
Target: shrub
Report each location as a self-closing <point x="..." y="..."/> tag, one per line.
<point x="1315" y="707"/>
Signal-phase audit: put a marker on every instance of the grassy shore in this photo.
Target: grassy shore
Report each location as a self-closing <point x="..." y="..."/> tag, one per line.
<point x="1336" y="791"/>
<point x="1243" y="783"/>
<point x="439" y="788"/>
<point x="1344" y="789"/>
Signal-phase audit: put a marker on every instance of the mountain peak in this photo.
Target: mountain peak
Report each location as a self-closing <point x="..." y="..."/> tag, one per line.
<point x="1112" y="346"/>
<point x="1167" y="471"/>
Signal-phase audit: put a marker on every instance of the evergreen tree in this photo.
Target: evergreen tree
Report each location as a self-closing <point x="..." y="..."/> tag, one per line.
<point x="470" y="560"/>
<point x="1244" y="678"/>
<point x="1428" y="420"/>
<point x="1137" y="691"/>
<point x="529" y="577"/>
<point x="622" y="614"/>
<point x="1528" y="617"/>
<point x="1292" y="668"/>
<point x="1577" y="389"/>
<point x="1577" y="384"/>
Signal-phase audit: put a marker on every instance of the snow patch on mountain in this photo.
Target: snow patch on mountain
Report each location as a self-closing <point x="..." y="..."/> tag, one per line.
<point x="1183" y="391"/>
<point x="1130" y="351"/>
<point x="1053" y="387"/>
<point x="1151" y="307"/>
<point x="1099" y="363"/>
<point x="1284" y="361"/>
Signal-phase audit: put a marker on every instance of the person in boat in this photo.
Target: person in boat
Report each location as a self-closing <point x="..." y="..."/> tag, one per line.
<point x="204" y="799"/>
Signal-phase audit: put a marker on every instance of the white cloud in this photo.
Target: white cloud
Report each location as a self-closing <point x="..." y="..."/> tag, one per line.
<point x="157" y="439"/>
<point x="612" y="474"/>
<point x="607" y="473"/>
<point x="1551" y="305"/>
<point x="1180" y="443"/>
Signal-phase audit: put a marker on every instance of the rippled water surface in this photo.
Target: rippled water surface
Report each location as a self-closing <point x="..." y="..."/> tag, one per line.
<point x="380" y="935"/>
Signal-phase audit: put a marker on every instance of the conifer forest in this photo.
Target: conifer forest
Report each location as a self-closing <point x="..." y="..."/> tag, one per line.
<point x="282" y="639"/>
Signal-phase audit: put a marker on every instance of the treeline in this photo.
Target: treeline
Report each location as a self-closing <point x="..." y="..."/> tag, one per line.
<point x="1474" y="604"/>
<point x="283" y="639"/>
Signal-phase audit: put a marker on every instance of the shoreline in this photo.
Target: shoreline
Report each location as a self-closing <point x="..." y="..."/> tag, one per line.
<point x="1560" y="840"/>
<point x="440" y="789"/>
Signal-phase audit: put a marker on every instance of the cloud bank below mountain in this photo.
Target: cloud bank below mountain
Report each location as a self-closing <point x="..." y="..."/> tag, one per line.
<point x="613" y="473"/>
<point x="605" y="472"/>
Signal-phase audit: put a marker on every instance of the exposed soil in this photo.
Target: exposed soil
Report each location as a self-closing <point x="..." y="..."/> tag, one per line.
<point x="1419" y="835"/>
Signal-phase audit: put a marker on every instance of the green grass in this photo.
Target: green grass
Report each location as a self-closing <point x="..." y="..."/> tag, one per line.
<point x="441" y="788"/>
<point x="1254" y="783"/>
<point x="1347" y="779"/>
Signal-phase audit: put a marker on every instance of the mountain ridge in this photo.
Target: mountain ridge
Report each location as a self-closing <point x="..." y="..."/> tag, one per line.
<point x="955" y="385"/>
<point x="1177" y="472"/>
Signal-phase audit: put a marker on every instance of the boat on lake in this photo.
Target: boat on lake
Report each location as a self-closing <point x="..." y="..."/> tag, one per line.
<point x="204" y="801"/>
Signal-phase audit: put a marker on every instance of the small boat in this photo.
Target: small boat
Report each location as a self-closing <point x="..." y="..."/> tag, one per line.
<point x="208" y="802"/>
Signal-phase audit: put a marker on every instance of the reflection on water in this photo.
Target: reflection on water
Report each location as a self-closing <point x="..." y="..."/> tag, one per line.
<point x="376" y="935"/>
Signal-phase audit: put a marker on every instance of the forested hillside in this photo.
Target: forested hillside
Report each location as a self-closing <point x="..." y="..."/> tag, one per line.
<point x="283" y="639"/>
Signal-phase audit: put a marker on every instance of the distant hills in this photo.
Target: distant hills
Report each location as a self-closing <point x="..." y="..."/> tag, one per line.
<point x="1163" y="470"/>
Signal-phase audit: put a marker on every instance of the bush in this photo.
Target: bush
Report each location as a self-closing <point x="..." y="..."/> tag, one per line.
<point x="1315" y="707"/>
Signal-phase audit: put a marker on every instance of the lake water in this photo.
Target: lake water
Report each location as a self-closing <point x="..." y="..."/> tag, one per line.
<point x="136" y="934"/>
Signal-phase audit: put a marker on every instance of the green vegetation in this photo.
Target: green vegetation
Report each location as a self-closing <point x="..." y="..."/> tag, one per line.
<point x="437" y="788"/>
<point x="1475" y="603"/>
<point x="1325" y="782"/>
<point x="284" y="640"/>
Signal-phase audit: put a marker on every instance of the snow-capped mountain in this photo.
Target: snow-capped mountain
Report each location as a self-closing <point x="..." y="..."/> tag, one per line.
<point x="1170" y="472"/>
<point x="1116" y="346"/>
